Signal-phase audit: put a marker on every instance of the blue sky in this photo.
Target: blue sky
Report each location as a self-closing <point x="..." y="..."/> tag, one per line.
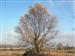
<point x="13" y="9"/>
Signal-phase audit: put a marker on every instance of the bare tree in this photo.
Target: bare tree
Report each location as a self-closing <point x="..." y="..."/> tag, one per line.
<point x="37" y="27"/>
<point x="60" y="45"/>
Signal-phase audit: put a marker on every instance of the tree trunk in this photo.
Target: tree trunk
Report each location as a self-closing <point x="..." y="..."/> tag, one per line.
<point x="36" y="45"/>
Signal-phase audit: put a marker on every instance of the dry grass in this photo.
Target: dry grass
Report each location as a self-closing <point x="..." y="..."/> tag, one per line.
<point x="11" y="53"/>
<point x="50" y="53"/>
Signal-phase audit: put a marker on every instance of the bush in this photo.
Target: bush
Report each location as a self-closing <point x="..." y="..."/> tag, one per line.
<point x="33" y="53"/>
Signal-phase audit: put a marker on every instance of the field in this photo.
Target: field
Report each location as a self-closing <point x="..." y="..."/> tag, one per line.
<point x="11" y="52"/>
<point x="53" y="52"/>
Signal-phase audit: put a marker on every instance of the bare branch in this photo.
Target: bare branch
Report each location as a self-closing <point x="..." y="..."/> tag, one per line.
<point x="37" y="27"/>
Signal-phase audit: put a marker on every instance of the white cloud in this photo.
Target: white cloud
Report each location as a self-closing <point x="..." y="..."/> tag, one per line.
<point x="8" y="38"/>
<point x="67" y="37"/>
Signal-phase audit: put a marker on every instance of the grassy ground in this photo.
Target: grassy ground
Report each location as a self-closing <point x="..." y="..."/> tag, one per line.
<point x="53" y="52"/>
<point x="11" y="52"/>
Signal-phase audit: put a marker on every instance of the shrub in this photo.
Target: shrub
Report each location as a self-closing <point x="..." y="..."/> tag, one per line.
<point x="31" y="52"/>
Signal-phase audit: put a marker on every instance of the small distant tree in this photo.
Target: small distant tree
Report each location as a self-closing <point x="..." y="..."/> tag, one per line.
<point x="60" y="46"/>
<point x="37" y="27"/>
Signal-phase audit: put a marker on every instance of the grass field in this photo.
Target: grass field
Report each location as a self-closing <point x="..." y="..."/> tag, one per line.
<point x="53" y="52"/>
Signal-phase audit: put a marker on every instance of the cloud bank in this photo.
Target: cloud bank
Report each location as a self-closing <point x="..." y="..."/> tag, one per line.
<point x="10" y="38"/>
